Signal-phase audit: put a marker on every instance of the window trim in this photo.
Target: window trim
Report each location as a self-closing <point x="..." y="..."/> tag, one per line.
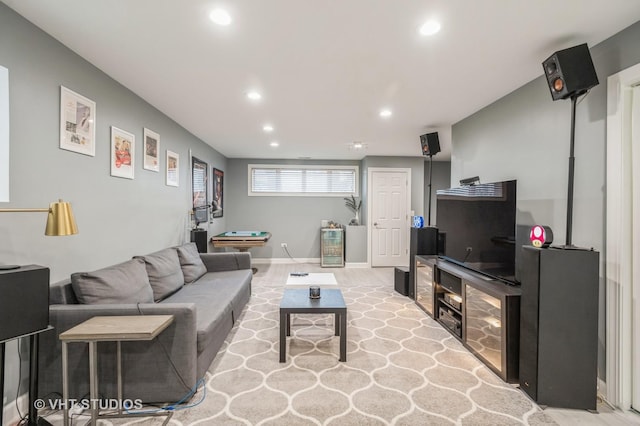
<point x="354" y="168"/>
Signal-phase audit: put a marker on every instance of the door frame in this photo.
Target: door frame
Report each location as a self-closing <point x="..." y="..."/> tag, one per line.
<point x="619" y="267"/>
<point x="370" y="172"/>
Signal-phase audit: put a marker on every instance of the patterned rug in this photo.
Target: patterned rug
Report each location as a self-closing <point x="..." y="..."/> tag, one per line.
<point x="402" y="367"/>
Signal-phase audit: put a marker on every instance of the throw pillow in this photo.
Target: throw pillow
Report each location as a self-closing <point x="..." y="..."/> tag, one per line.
<point x="165" y="274"/>
<point x="191" y="263"/>
<point x="126" y="282"/>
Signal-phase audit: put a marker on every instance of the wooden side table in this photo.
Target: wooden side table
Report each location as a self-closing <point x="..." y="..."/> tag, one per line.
<point x="109" y="329"/>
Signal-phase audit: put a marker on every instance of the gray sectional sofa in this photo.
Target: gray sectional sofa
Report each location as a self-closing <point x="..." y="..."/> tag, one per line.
<point x="206" y="293"/>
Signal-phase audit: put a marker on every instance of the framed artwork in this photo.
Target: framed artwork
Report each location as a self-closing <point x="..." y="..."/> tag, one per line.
<point x="217" y="193"/>
<point x="77" y="123"/>
<point x="151" y="160"/>
<point x="122" y="153"/>
<point x="173" y="168"/>
<point x="199" y="180"/>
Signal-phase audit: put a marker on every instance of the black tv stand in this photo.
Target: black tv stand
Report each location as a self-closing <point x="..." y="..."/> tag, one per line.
<point x="480" y="311"/>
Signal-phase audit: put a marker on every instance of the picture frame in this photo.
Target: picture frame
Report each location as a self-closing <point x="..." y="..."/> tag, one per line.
<point x="151" y="158"/>
<point x="77" y="123"/>
<point x="199" y="190"/>
<point x="173" y="169"/>
<point x="217" y="193"/>
<point x="123" y="149"/>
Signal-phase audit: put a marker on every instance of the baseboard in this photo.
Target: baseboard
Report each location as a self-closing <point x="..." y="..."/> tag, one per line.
<point x="282" y="260"/>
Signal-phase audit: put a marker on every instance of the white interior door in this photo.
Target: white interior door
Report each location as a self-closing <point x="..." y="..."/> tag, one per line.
<point x="635" y="290"/>
<point x="389" y="217"/>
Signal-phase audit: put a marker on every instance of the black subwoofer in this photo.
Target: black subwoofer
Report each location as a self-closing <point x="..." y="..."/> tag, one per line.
<point x="570" y="72"/>
<point x="199" y="236"/>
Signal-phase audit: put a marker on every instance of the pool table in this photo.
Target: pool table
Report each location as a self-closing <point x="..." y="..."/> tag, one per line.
<point x="241" y="240"/>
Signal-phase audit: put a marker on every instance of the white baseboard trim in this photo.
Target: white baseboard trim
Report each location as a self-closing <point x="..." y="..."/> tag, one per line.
<point x="283" y="260"/>
<point x="10" y="415"/>
<point x="289" y="261"/>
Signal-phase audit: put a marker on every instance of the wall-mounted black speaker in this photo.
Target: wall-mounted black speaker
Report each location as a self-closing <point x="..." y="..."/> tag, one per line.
<point x="570" y="72"/>
<point x="430" y="143"/>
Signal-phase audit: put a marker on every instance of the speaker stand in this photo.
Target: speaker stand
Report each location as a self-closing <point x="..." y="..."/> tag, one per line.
<point x="572" y="161"/>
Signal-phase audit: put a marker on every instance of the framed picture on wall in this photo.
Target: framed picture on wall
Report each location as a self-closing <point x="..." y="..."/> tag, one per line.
<point x="217" y="192"/>
<point x="122" y="153"/>
<point x="77" y="123"/>
<point x="199" y="181"/>
<point x="173" y="168"/>
<point x="151" y="160"/>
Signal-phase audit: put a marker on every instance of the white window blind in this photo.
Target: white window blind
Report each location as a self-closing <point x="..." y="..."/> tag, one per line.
<point x="302" y="180"/>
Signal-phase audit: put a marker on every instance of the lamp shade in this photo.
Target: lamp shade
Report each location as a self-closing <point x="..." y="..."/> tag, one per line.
<point x="60" y="220"/>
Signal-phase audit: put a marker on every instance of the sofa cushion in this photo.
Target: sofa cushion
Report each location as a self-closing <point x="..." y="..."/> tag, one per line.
<point x="125" y="282"/>
<point x="165" y="274"/>
<point x="190" y="262"/>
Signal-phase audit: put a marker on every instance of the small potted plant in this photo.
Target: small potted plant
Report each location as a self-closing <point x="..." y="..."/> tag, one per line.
<point x="354" y="205"/>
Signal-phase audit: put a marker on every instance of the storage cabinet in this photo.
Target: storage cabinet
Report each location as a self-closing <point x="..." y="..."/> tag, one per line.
<point x="559" y="330"/>
<point x="450" y="303"/>
<point x="424" y="283"/>
<point x="492" y="325"/>
<point x="483" y="313"/>
<point x="331" y="247"/>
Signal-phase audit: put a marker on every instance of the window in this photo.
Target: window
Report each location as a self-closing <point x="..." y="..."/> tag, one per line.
<point x="309" y="181"/>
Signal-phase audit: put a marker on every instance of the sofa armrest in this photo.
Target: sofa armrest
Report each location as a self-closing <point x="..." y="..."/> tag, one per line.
<point x="227" y="261"/>
<point x="148" y="366"/>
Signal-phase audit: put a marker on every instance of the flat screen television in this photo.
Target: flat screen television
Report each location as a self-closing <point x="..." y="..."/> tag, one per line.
<point x="477" y="224"/>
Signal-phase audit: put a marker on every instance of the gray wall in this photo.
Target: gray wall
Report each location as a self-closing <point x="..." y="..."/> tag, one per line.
<point x="525" y="136"/>
<point x="292" y="220"/>
<point x="296" y="220"/>
<point x="441" y="179"/>
<point x="117" y="218"/>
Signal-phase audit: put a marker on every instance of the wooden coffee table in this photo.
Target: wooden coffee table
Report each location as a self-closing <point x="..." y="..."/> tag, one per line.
<point x="297" y="301"/>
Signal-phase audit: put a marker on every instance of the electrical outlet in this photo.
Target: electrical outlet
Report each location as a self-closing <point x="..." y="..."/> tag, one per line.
<point x="283" y="245"/>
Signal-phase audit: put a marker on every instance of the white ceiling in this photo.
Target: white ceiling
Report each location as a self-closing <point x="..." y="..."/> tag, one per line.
<point x="325" y="67"/>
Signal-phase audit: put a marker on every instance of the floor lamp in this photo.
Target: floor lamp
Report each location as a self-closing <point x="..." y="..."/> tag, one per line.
<point x="13" y="280"/>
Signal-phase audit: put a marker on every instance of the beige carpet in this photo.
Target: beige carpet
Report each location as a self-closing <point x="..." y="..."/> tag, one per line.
<point x="402" y="367"/>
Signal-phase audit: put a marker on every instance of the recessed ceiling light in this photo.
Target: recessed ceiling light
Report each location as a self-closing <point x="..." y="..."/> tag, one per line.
<point x="254" y="96"/>
<point x="220" y="17"/>
<point x="274" y="144"/>
<point x="267" y="128"/>
<point x="430" y="28"/>
<point x="385" y="113"/>
<point x="356" y="146"/>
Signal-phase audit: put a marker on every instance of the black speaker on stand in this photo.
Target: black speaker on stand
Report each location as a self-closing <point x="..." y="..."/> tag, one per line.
<point x="424" y="241"/>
